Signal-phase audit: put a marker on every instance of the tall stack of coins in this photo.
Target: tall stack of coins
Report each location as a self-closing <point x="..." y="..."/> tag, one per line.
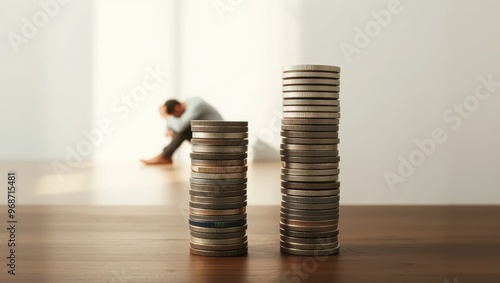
<point x="218" y="199"/>
<point x="310" y="160"/>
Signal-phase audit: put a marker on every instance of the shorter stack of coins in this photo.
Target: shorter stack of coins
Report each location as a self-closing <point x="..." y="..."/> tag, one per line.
<point x="309" y="151"/>
<point x="218" y="199"/>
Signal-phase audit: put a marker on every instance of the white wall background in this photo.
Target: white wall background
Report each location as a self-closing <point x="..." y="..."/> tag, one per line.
<point x="427" y="59"/>
<point x="45" y="88"/>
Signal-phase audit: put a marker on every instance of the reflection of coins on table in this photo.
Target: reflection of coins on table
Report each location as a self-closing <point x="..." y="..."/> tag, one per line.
<point x="218" y="187"/>
<point x="310" y="160"/>
<point x="239" y="252"/>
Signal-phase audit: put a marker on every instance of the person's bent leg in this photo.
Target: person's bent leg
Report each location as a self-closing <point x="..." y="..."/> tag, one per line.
<point x="176" y="142"/>
<point x="166" y="156"/>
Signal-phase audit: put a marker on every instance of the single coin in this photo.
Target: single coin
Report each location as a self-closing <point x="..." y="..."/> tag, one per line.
<point x="199" y="135"/>
<point x="203" y="162"/>
<point x="320" y="115"/>
<point x="235" y="217"/>
<point x="310" y="74"/>
<point x="219" y="129"/>
<point x="218" y="193"/>
<point x="309" y="206"/>
<point x="311" y="200"/>
<point x="310" y="193"/>
<point x="230" y="241"/>
<point x="217" y="176"/>
<point x="309" y="147"/>
<point x="225" y="142"/>
<point x="310" y="122"/>
<point x="218" y="235"/>
<point x="320" y="241"/>
<point x="218" y="224"/>
<point x="217" y="230"/>
<point x="232" y="253"/>
<point x="310" y="153"/>
<point x="310" y="166"/>
<point x="218" y="200"/>
<point x="219" y="182"/>
<point x="308" y="218"/>
<point x="314" y="141"/>
<point x="300" y="172"/>
<point x="234" y="205"/>
<point x="315" y="253"/>
<point x="219" y="149"/>
<point x="311" y="159"/>
<point x="309" y="179"/>
<point x="310" y="88"/>
<point x="310" y="95"/>
<point x="311" y="109"/>
<point x="310" y="128"/>
<point x="219" y="169"/>
<point x="309" y="150"/>
<point x="308" y="228"/>
<point x="308" y="223"/>
<point x="217" y="188"/>
<point x="311" y="186"/>
<point x="219" y="156"/>
<point x="219" y="123"/>
<point x="311" y="235"/>
<point x="333" y="136"/>
<point x="316" y="246"/>
<point x="310" y="102"/>
<point x="314" y="81"/>
<point x="201" y="211"/>
<point x="315" y="68"/>
<point x="303" y="212"/>
<point x="219" y="247"/>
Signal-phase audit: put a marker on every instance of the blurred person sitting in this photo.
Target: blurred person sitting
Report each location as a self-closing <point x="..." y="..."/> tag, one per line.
<point x="178" y="116"/>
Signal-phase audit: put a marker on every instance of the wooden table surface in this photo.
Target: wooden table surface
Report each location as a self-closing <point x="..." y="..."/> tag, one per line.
<point x="453" y="244"/>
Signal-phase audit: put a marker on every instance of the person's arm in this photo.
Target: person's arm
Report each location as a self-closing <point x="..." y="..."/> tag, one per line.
<point x="163" y="111"/>
<point x="194" y="110"/>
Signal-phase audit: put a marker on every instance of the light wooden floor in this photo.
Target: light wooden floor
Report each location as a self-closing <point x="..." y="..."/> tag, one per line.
<point x="126" y="183"/>
<point x="150" y="244"/>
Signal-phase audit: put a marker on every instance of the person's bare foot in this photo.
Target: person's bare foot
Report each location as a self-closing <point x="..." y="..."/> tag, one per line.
<point x="157" y="160"/>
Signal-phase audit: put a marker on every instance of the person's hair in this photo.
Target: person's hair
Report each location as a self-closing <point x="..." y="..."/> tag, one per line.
<point x="170" y="104"/>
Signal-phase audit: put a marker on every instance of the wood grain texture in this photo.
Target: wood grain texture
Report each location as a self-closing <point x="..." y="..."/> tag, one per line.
<point x="151" y="244"/>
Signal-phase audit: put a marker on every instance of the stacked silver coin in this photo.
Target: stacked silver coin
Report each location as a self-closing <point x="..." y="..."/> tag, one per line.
<point x="218" y="195"/>
<point x="310" y="160"/>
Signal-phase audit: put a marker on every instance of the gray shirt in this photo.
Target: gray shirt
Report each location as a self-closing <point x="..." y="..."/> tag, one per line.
<point x="196" y="109"/>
